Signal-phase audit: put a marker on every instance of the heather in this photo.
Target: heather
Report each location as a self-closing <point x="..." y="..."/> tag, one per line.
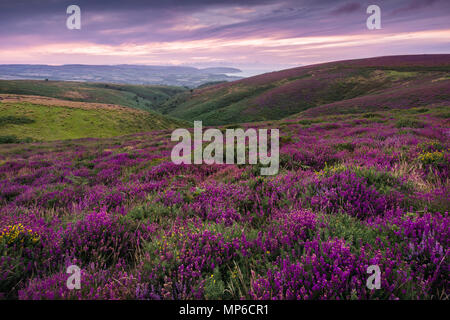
<point x="353" y="190"/>
<point x="352" y="86"/>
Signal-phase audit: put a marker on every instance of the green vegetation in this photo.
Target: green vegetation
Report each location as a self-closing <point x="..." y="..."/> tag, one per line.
<point x="409" y="123"/>
<point x="346" y="88"/>
<point x="134" y="96"/>
<point x="14" y="120"/>
<point x="211" y="83"/>
<point x="13" y="139"/>
<point x="224" y="106"/>
<point x="26" y="121"/>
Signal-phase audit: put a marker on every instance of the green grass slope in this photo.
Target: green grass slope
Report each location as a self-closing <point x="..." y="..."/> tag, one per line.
<point x="135" y="96"/>
<point x="35" y="119"/>
<point x="354" y="86"/>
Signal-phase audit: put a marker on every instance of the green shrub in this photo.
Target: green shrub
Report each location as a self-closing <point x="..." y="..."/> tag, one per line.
<point x="370" y="115"/>
<point x="288" y="162"/>
<point x="308" y="121"/>
<point x="352" y="230"/>
<point x="432" y="158"/>
<point x="214" y="286"/>
<point x="409" y="123"/>
<point x="14" y="139"/>
<point x="419" y="110"/>
<point x="153" y="213"/>
<point x="345" y="146"/>
<point x="285" y="139"/>
<point x="15" y="120"/>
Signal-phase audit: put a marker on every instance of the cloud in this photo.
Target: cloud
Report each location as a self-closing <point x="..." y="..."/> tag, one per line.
<point x="347" y="8"/>
<point x="234" y="31"/>
<point x="414" y="5"/>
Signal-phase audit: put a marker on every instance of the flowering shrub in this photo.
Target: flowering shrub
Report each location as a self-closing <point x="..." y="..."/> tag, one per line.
<point x="100" y="237"/>
<point x="350" y="194"/>
<point x="329" y="270"/>
<point x="18" y="233"/>
<point x="288" y="230"/>
<point x="24" y="251"/>
<point x="96" y="283"/>
<point x="435" y="157"/>
<point x="352" y="191"/>
<point x="326" y="271"/>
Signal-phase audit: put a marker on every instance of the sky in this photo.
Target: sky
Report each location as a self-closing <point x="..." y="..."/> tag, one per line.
<point x="253" y="35"/>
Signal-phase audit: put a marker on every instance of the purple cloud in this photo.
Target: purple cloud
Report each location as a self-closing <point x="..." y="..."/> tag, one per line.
<point x="217" y="31"/>
<point x="347" y="8"/>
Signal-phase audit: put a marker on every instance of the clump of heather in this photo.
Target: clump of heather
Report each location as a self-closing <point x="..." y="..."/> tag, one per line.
<point x="316" y="155"/>
<point x="96" y="284"/>
<point x="178" y="260"/>
<point x="346" y="192"/>
<point x="220" y="203"/>
<point x="425" y="245"/>
<point x="325" y="271"/>
<point x="288" y="230"/>
<point x="102" y="238"/>
<point x="328" y="269"/>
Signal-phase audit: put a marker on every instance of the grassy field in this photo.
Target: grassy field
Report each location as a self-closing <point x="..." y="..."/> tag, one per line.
<point x="25" y="118"/>
<point x="134" y="96"/>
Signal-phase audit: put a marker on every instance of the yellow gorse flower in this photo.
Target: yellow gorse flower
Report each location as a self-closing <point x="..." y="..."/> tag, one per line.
<point x="431" y="157"/>
<point x="16" y="232"/>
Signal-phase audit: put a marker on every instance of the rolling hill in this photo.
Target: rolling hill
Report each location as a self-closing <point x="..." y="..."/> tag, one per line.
<point x="337" y="87"/>
<point x="134" y="96"/>
<point x="36" y="118"/>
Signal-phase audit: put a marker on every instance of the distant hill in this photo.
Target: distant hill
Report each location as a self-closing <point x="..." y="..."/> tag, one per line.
<point x="134" y="96"/>
<point x="220" y="70"/>
<point x="336" y="87"/>
<point x="36" y="118"/>
<point x="129" y="74"/>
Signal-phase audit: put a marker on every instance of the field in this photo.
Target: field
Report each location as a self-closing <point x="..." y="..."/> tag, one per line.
<point x="34" y="118"/>
<point x="354" y="190"/>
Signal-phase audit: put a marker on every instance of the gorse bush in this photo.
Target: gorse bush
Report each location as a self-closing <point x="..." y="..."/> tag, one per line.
<point x="26" y="250"/>
<point x="433" y="158"/>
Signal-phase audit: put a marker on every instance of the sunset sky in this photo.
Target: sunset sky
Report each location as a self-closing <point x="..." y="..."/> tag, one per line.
<point x="251" y="34"/>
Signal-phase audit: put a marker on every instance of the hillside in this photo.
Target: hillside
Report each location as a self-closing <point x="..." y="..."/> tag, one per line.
<point x="134" y="96"/>
<point x="35" y="118"/>
<point x="336" y="87"/>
